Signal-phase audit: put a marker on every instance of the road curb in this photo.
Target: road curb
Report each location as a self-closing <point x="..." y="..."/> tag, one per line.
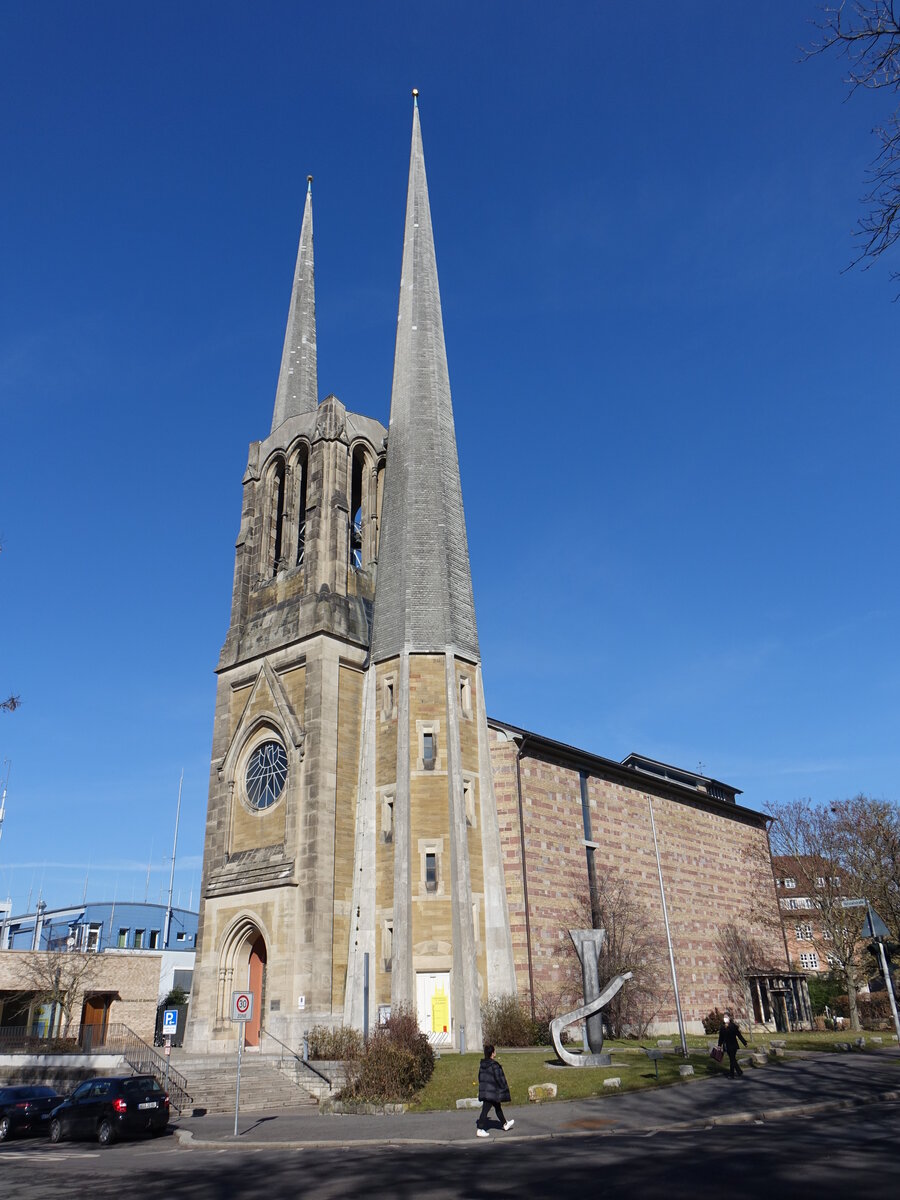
<point x="186" y="1138"/>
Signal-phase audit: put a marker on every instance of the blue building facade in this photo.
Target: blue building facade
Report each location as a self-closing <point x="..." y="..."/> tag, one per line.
<point x="113" y="925"/>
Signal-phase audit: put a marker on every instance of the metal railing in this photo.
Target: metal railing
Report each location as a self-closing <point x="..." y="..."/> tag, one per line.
<point x="295" y="1056"/>
<point x="114" y="1038"/>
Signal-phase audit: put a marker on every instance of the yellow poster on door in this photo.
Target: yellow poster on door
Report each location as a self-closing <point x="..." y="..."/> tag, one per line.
<point x="440" y="1012"/>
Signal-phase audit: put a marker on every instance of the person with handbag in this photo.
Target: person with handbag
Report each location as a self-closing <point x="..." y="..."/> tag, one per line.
<point x="493" y="1090"/>
<point x="729" y="1035"/>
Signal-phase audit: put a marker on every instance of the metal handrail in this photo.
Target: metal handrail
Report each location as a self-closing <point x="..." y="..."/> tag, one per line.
<point x="143" y="1058"/>
<point x="293" y="1053"/>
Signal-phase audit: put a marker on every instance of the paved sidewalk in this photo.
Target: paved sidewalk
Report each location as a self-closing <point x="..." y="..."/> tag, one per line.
<point x="794" y="1086"/>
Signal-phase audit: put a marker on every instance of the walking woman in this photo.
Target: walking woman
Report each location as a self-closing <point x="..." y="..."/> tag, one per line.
<point x="492" y="1091"/>
<point x="729" y="1035"/>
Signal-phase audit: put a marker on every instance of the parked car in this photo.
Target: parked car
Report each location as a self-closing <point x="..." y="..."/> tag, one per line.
<point x="24" y="1108"/>
<point x="110" y="1108"/>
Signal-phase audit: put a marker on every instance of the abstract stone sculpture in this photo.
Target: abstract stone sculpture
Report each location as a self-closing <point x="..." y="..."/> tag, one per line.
<point x="588" y="943"/>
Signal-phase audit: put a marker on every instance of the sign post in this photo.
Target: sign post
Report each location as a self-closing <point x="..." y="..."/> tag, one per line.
<point x="241" y="1011"/>
<point x="169" y="1028"/>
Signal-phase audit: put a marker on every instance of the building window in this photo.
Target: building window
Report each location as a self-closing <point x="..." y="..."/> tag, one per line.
<point x="836" y="882"/>
<point x="431" y="872"/>
<point x="827" y="935"/>
<point x="154" y="939"/>
<point x="387" y="943"/>
<point x="804" y="933"/>
<point x="266" y="774"/>
<point x="820" y="881"/>
<point x="469" y="801"/>
<point x="180" y="937"/>
<point x="122" y="939"/>
<point x="139" y="939"/>
<point x="93" y="937"/>
<point x="428" y="751"/>
<point x="387" y="817"/>
<point x="388" y="698"/>
<point x="465" y="696"/>
<point x="810" y="961"/>
<point x="790" y="883"/>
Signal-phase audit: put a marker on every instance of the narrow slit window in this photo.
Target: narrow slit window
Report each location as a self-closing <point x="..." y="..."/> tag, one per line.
<point x="388" y="947"/>
<point x="465" y="695"/>
<point x="387" y="818"/>
<point x="356" y="514"/>
<point x="428" y="751"/>
<point x="469" y="802"/>
<point x="431" y="872"/>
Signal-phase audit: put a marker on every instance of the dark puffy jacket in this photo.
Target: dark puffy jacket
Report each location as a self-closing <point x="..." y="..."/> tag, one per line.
<point x="728" y="1037"/>
<point x="492" y="1085"/>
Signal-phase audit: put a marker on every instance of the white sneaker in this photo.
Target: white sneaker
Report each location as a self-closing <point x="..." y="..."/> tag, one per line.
<point x="509" y="1125"/>
<point x="482" y="1133"/>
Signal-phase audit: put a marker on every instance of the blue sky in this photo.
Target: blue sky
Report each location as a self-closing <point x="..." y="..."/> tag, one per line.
<point x="677" y="419"/>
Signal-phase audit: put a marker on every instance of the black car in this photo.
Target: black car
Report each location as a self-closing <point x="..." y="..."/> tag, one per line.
<point x="110" y="1108"/>
<point x="24" y="1108"/>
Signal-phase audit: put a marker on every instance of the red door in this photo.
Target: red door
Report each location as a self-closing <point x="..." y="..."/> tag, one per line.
<point x="255" y="985"/>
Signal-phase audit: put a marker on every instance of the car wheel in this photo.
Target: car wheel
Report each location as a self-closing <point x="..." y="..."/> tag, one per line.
<point x="55" y="1131"/>
<point x="158" y="1131"/>
<point x="4" y="1128"/>
<point x="106" y="1133"/>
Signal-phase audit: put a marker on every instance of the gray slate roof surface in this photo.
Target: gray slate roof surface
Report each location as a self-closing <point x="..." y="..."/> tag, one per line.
<point x="297" y="390"/>
<point x="423" y="596"/>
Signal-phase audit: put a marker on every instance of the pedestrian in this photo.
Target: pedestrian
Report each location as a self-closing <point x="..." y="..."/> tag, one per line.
<point x="493" y="1090"/>
<point x="729" y="1035"/>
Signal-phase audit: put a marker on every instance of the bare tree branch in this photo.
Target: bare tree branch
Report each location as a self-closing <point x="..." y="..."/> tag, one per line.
<point x="867" y="34"/>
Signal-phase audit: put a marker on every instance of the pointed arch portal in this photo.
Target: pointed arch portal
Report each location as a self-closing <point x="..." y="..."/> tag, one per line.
<point x="242" y="965"/>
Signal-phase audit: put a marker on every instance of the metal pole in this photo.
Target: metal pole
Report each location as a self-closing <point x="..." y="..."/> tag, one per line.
<point x="237" y="1094"/>
<point x="172" y="871"/>
<point x="366" y="996"/>
<point x="662" y="894"/>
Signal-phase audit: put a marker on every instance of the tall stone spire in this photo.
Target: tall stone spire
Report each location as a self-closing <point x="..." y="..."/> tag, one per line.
<point x="423" y="596"/>
<point x="297" y="390"/>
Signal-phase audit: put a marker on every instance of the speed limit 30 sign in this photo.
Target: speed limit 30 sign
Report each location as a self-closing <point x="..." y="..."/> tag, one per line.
<point x="241" y="1006"/>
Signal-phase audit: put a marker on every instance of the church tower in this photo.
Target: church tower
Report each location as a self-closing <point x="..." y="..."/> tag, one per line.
<point x="352" y="851"/>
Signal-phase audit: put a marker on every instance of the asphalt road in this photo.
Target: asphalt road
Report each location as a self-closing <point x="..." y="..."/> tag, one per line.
<point x="839" y="1156"/>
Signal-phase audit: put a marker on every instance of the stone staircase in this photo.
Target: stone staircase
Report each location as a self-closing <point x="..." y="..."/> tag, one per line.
<point x="211" y="1080"/>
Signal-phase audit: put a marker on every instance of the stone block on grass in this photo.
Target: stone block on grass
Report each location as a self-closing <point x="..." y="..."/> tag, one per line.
<point x="541" y="1091"/>
<point x="469" y="1102"/>
<point x="615" y="1082"/>
<point x="686" y="1070"/>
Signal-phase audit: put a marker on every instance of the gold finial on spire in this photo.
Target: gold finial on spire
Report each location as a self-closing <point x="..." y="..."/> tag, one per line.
<point x="309" y="183"/>
<point x="415" y="93"/>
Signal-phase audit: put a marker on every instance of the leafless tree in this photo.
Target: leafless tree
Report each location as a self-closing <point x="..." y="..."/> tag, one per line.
<point x="634" y="942"/>
<point x="813" y="843"/>
<point x="866" y="33"/>
<point x="742" y="954"/>
<point x="870" y="845"/>
<point x="59" y="979"/>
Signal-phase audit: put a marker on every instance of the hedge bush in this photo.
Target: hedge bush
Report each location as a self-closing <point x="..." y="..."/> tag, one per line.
<point x="335" y="1045"/>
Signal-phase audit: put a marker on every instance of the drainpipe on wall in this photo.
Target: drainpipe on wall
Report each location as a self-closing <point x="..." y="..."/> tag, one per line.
<point x="519" y="751"/>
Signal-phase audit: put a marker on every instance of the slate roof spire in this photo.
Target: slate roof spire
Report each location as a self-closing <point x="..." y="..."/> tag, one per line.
<point x="297" y="390"/>
<point x="423" y="594"/>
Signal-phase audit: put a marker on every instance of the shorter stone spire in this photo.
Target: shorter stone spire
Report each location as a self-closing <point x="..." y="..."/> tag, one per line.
<point x="297" y="390"/>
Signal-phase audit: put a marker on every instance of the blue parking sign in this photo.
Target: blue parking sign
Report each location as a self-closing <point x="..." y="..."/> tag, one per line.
<point x="170" y="1020"/>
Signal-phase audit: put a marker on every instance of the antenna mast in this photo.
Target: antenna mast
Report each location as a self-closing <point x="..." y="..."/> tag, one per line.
<point x="172" y="871"/>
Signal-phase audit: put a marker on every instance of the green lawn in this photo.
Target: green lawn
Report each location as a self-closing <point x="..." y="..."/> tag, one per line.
<point x="456" y="1075"/>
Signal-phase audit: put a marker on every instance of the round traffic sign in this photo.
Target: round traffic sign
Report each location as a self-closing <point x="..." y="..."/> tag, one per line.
<point x="242" y="1003"/>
